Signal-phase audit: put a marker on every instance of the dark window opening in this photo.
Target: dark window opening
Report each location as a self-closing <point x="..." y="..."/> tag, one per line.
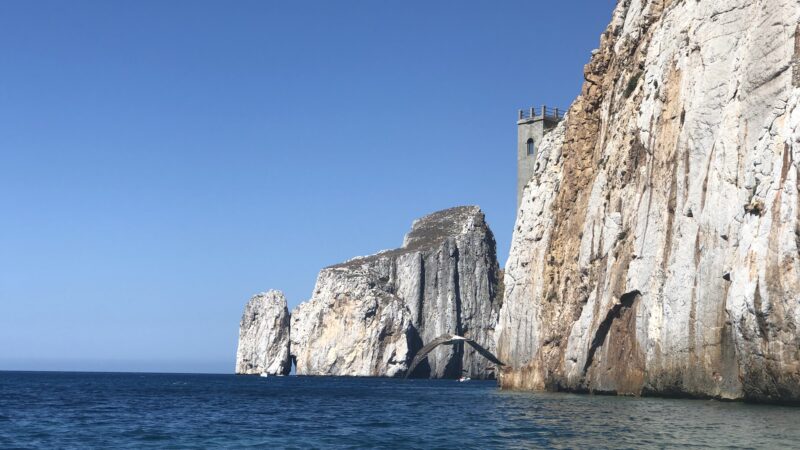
<point x="531" y="148"/>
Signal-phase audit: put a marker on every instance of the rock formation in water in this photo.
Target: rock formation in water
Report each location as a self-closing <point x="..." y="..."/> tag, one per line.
<point x="370" y="315"/>
<point x="264" y="336"/>
<point x="656" y="248"/>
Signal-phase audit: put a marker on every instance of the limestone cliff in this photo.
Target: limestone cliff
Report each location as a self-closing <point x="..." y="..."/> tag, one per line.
<point x="656" y="248"/>
<point x="264" y="336"/>
<point x="369" y="316"/>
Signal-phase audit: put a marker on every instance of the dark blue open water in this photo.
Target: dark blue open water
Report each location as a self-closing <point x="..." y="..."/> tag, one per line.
<point x="42" y="409"/>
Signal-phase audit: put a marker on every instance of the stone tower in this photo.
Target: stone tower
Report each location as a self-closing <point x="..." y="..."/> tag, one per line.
<point x="531" y="128"/>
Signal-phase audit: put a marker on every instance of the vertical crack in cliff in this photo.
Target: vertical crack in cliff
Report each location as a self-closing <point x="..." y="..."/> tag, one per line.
<point x="796" y="58"/>
<point x="456" y="364"/>
<point x="421" y="292"/>
<point x="457" y="293"/>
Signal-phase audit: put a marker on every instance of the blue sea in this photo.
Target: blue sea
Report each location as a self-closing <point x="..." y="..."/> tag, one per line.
<point x="128" y="410"/>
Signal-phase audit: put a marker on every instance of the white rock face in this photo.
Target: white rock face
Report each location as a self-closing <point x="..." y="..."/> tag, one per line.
<point x="264" y="336"/>
<point x="351" y="328"/>
<point x="370" y="315"/>
<point x="657" y="249"/>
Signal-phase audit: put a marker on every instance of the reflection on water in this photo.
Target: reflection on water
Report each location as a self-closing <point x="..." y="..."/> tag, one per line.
<point x="570" y="420"/>
<point x="151" y="410"/>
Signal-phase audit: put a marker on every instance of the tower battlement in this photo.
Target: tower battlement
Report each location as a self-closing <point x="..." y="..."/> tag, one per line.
<point x="532" y="125"/>
<point x="543" y="113"/>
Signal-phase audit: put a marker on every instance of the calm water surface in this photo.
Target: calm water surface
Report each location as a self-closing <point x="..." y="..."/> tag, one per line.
<point x="49" y="410"/>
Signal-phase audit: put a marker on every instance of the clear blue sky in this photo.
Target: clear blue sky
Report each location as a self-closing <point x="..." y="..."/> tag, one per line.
<point x="161" y="161"/>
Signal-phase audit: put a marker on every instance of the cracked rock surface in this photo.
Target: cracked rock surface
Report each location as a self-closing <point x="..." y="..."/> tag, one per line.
<point x="264" y="336"/>
<point x="370" y="315"/>
<point x="657" y="248"/>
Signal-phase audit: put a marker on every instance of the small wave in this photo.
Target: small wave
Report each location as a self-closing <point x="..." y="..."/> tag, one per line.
<point x="217" y="412"/>
<point x="155" y="437"/>
<point x="378" y="424"/>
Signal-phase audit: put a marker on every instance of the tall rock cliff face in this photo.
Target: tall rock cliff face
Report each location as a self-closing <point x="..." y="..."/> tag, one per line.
<point x="264" y="336"/>
<point x="370" y="315"/>
<point x="656" y="248"/>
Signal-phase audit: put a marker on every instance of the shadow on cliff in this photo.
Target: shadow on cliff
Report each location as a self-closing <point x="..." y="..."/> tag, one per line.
<point x="423" y="370"/>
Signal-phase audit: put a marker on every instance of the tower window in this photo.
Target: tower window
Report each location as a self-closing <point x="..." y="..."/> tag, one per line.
<point x="531" y="148"/>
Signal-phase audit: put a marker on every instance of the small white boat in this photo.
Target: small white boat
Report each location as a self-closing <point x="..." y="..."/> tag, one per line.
<point x="264" y="374"/>
<point x="463" y="379"/>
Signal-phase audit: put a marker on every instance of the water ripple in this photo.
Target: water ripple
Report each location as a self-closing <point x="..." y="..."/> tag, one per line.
<point x="144" y="411"/>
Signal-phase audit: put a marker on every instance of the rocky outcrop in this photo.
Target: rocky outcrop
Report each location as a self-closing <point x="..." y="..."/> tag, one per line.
<point x="352" y="327"/>
<point x="656" y="250"/>
<point x="264" y="336"/>
<point x="370" y="315"/>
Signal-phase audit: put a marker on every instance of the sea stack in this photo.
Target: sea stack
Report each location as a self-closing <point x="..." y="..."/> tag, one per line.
<point x="657" y="246"/>
<point x="370" y="315"/>
<point x="264" y="336"/>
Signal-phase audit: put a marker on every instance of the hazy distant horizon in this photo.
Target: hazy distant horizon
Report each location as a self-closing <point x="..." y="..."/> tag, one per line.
<point x="118" y="366"/>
